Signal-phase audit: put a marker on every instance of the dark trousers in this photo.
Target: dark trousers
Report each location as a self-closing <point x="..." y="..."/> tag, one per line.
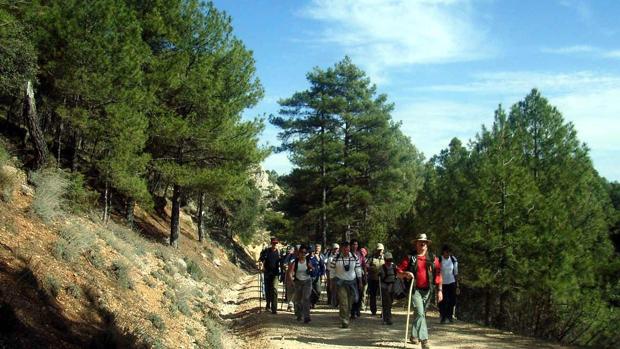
<point x="316" y="290"/>
<point x="357" y="307"/>
<point x="387" y="299"/>
<point x="373" y="290"/>
<point x="446" y="306"/>
<point x="271" y="291"/>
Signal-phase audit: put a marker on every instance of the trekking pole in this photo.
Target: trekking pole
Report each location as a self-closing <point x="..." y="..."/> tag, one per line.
<point x="260" y="292"/>
<point x="408" y="313"/>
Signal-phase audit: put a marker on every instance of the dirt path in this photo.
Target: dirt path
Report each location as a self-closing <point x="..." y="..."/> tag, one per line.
<point x="266" y="330"/>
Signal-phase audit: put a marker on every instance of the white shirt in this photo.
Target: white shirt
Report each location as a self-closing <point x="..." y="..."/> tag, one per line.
<point x="338" y="270"/>
<point x="302" y="268"/>
<point x="449" y="270"/>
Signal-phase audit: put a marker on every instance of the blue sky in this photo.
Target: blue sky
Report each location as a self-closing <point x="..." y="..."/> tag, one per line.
<point x="447" y="64"/>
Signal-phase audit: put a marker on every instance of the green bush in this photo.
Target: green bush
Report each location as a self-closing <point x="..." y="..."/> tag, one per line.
<point x="213" y="338"/>
<point x="157" y="322"/>
<point x="74" y="240"/>
<point x="93" y="255"/>
<point x="52" y="286"/>
<point x="194" y="269"/>
<point x="7" y="181"/>
<point x="121" y="273"/>
<point x="51" y="186"/>
<point x="62" y="251"/>
<point x="74" y="290"/>
<point x="79" y="198"/>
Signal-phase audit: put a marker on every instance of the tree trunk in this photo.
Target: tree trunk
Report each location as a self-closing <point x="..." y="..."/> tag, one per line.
<point x="106" y="206"/>
<point x="175" y="216"/>
<point x="487" y="308"/>
<point x="59" y="142"/>
<point x="77" y="144"/>
<point x="38" y="141"/>
<point x="131" y="203"/>
<point x="324" y="185"/>
<point x="200" y="217"/>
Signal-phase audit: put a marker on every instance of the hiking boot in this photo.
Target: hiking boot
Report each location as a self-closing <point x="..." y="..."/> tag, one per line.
<point x="344" y="325"/>
<point x="274" y="312"/>
<point x="413" y="340"/>
<point x="306" y="320"/>
<point x="289" y="309"/>
<point x="451" y="320"/>
<point x="443" y="321"/>
<point x="425" y="344"/>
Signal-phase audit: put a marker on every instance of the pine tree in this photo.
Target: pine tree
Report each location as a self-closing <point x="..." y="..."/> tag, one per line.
<point x="203" y="78"/>
<point x="352" y="160"/>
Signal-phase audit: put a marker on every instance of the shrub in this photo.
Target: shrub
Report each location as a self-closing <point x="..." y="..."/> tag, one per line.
<point x="191" y="331"/>
<point x="213" y="338"/>
<point x="157" y="322"/>
<point x="93" y="255"/>
<point x="7" y="180"/>
<point x="49" y="200"/>
<point x="74" y="290"/>
<point x="80" y="199"/>
<point x="74" y="240"/>
<point x="194" y="269"/>
<point x="9" y="225"/>
<point x="52" y="286"/>
<point x="121" y="273"/>
<point x="62" y="251"/>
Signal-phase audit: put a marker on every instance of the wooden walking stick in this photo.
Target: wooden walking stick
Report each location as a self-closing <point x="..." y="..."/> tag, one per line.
<point x="408" y="313"/>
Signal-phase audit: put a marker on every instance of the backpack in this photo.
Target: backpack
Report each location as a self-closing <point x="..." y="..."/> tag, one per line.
<point x="451" y="258"/>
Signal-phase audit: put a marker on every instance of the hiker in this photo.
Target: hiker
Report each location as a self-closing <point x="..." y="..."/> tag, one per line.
<point x="374" y="266"/>
<point x="318" y="259"/>
<point x="300" y="273"/>
<point x="270" y="259"/>
<point x="386" y="278"/>
<point x="347" y="272"/>
<point x="449" y="273"/>
<point x="289" y="290"/>
<point x="424" y="271"/>
<point x="357" y="306"/>
<point x="364" y="291"/>
<point x="332" y="293"/>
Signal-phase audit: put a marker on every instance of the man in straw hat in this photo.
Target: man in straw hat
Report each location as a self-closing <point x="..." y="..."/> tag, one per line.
<point x="424" y="271"/>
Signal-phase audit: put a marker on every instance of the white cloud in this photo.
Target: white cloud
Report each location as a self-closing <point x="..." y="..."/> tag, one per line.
<point x="613" y="54"/>
<point x="581" y="7"/>
<point x="582" y="49"/>
<point x="382" y="34"/>
<point x="521" y="82"/>
<point x="587" y="99"/>
<point x="569" y="49"/>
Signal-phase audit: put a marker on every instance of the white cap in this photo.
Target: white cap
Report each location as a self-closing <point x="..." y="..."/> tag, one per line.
<point x="335" y="245"/>
<point x="380" y="246"/>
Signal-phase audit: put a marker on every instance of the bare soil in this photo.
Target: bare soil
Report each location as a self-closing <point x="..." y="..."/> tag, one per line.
<point x="265" y="330"/>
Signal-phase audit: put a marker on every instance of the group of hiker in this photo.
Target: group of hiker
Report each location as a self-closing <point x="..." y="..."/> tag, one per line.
<point x="350" y="274"/>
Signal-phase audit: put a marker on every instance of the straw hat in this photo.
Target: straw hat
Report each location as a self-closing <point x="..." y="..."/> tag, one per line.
<point x="422" y="237"/>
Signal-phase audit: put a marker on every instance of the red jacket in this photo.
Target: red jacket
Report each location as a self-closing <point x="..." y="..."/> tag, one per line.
<point x="421" y="279"/>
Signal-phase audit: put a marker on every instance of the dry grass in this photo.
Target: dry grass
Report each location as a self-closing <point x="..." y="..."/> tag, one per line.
<point x="51" y="186"/>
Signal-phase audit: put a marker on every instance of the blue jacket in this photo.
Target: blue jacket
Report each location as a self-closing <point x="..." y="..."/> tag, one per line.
<point x="318" y="264"/>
